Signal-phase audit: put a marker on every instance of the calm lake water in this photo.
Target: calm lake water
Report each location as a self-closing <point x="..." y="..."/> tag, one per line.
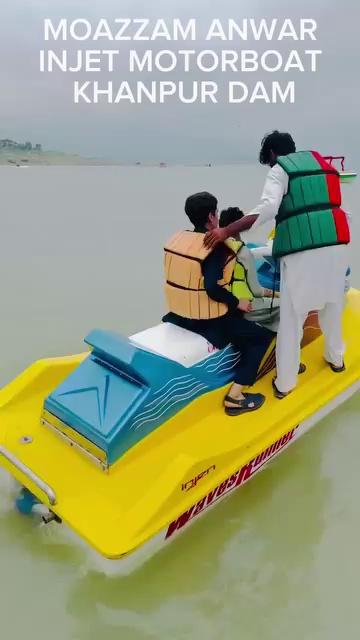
<point x="81" y="247"/>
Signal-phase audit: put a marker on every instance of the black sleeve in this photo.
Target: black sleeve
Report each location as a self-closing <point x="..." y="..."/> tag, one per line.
<point x="212" y="269"/>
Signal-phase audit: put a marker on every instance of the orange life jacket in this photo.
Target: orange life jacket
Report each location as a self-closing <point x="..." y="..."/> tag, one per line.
<point x="184" y="282"/>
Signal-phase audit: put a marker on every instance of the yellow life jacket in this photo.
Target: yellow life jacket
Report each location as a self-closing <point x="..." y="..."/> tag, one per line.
<point x="184" y="282"/>
<point x="239" y="285"/>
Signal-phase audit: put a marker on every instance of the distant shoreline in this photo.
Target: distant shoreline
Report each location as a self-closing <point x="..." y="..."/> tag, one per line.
<point x="54" y="158"/>
<point x="47" y="158"/>
<point x="25" y="154"/>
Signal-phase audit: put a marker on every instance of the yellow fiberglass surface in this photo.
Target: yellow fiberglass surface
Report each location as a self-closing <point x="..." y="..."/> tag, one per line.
<point x="118" y="510"/>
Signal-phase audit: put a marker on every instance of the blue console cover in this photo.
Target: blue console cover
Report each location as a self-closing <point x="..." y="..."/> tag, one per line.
<point x="120" y="393"/>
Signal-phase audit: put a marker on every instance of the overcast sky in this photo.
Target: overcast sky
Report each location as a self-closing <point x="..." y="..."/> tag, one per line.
<point x="39" y="107"/>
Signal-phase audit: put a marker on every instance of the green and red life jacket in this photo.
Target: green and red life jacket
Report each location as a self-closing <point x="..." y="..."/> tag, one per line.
<point x="310" y="215"/>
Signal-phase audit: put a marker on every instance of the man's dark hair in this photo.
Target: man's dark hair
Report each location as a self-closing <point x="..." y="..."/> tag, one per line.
<point x="232" y="214"/>
<point x="280" y="143"/>
<point x="198" y="208"/>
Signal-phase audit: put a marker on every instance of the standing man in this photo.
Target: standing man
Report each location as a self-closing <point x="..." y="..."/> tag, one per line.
<point x="302" y="195"/>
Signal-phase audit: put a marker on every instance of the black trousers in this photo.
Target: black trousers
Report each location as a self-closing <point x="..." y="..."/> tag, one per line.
<point x="252" y="340"/>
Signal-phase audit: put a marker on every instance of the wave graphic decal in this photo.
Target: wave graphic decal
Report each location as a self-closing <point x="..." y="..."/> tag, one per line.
<point x="174" y="401"/>
<point x="227" y="360"/>
<point x="231" y="366"/>
<point x="206" y="375"/>
<point x="188" y="376"/>
<point x="180" y="386"/>
<point x="213" y="359"/>
<point x="182" y="381"/>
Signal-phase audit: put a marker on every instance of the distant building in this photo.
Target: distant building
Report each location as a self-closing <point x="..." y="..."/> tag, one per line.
<point x="8" y="144"/>
<point x="17" y="146"/>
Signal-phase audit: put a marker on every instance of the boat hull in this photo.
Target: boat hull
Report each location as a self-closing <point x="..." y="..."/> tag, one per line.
<point x="133" y="561"/>
<point x="173" y="476"/>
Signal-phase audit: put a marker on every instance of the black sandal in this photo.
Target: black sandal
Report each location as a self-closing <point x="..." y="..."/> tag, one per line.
<point x="250" y="402"/>
<point x="336" y="369"/>
<point x="280" y="395"/>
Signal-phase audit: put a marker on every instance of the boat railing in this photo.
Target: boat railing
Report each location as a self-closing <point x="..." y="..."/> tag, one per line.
<point x="38" y="482"/>
<point x="331" y="159"/>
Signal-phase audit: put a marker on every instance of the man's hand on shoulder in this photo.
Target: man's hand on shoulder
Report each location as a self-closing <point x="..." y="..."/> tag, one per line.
<point x="214" y="237"/>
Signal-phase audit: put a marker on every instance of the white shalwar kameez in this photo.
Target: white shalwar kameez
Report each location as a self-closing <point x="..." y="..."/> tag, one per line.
<point x="310" y="280"/>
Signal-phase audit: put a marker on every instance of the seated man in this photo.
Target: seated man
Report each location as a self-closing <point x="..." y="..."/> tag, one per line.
<point x="245" y="284"/>
<point x="197" y="290"/>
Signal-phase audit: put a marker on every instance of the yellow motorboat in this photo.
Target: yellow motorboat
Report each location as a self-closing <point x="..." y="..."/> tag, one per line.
<point x="128" y="444"/>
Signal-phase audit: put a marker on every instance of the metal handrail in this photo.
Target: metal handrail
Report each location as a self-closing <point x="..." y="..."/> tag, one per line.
<point x="332" y="158"/>
<point x="49" y="492"/>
